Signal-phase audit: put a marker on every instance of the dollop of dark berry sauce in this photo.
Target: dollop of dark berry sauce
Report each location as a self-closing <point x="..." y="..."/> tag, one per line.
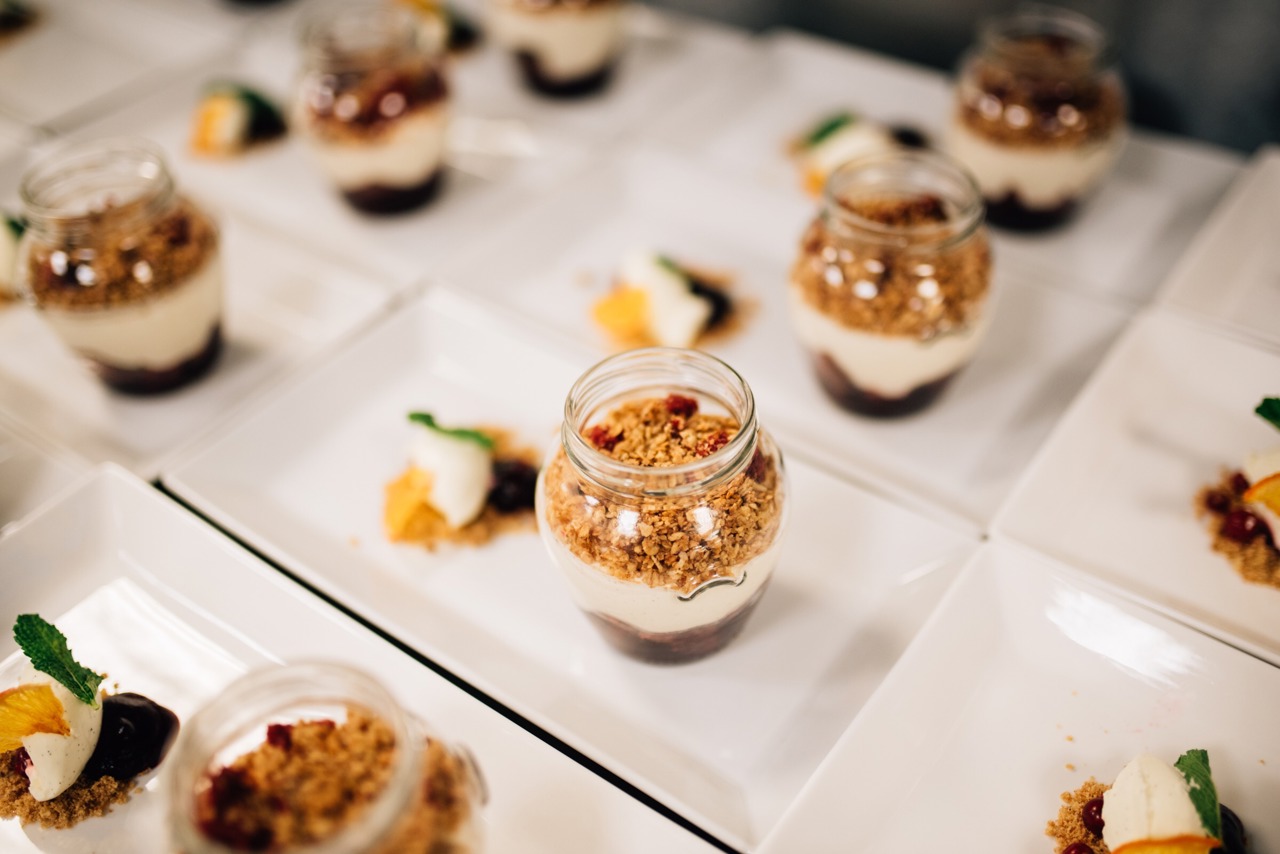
<point x="136" y="734"/>
<point x="1233" y="835"/>
<point x="515" y="483"/>
<point x="721" y="305"/>
<point x="909" y="137"/>
<point x="1092" y="816"/>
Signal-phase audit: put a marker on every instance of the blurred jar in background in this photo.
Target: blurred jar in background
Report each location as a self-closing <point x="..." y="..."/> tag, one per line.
<point x="564" y="48"/>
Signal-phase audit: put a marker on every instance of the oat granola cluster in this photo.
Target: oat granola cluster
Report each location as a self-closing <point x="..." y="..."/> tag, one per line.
<point x="361" y="107"/>
<point x="84" y="799"/>
<point x="677" y="542"/>
<point x="309" y="780"/>
<point x="119" y="262"/>
<point x="1069" y="828"/>
<point x="910" y="287"/>
<point x="1252" y="553"/>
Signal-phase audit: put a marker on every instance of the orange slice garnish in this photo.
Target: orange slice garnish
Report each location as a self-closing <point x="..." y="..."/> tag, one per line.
<point x="1178" y="845"/>
<point x="624" y="314"/>
<point x="1266" y="492"/>
<point x="27" y="710"/>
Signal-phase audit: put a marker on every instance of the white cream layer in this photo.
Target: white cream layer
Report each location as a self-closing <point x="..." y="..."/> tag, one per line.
<point x="658" y="609"/>
<point x="888" y="365"/>
<point x="568" y="43"/>
<point x="1042" y="177"/>
<point x="1258" y="467"/>
<point x="58" y="760"/>
<point x="405" y="155"/>
<point x="1150" y="800"/>
<point x="155" y="334"/>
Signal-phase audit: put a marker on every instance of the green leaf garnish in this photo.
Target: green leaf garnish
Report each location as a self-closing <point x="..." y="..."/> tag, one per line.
<point x="670" y="265"/>
<point x="428" y="420"/>
<point x="1270" y="410"/>
<point x="46" y="648"/>
<point x="266" y="121"/>
<point x="17" y="225"/>
<point x="827" y="127"/>
<point x="1194" y="765"/>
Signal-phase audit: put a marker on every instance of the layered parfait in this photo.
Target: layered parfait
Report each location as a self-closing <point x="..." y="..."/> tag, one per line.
<point x="565" y="48"/>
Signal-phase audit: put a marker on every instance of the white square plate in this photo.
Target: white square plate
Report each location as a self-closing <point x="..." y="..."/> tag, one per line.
<point x="284" y="304"/>
<point x="1027" y="681"/>
<point x="1231" y="274"/>
<point x="1114" y="489"/>
<point x="962" y="455"/>
<point x="31" y="471"/>
<point x="1159" y="194"/>
<point x="727" y="741"/>
<point x="175" y="610"/>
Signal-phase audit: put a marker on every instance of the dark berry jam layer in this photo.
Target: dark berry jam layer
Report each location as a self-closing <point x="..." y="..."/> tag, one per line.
<point x="553" y="87"/>
<point x="862" y="401"/>
<point x="1011" y="213"/>
<point x="145" y="381"/>
<point x="381" y="199"/>
<point x="135" y="736"/>
<point x="676" y="647"/>
<point x="515" y="484"/>
<point x="714" y="295"/>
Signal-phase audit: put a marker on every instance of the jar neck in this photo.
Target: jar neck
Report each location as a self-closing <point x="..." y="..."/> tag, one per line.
<point x="85" y="188"/>
<point x="235" y="722"/>
<point x="658" y="372"/>
<point x="363" y="35"/>
<point x="1046" y="41"/>
<point x="907" y="180"/>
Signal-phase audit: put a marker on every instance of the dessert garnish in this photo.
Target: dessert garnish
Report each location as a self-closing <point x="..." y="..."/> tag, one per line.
<point x="233" y="117"/>
<point x="834" y="141"/>
<point x="68" y="752"/>
<point x="656" y="300"/>
<point x="460" y="32"/>
<point x="463" y="485"/>
<point x="14" y="17"/>
<point x="1243" y="510"/>
<point x="11" y="230"/>
<point x="1151" y="808"/>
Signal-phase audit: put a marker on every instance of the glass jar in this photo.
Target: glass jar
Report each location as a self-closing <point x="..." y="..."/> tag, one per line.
<point x="664" y="502"/>
<point x="563" y="48"/>
<point x="1039" y="117"/>
<point x="373" y="103"/>
<point x="124" y="269"/>
<point x="341" y="733"/>
<point x="891" y="291"/>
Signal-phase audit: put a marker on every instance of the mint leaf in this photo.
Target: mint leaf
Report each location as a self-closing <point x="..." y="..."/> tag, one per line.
<point x="826" y="128"/>
<point x="428" y="420"/>
<point x="17" y="225"/>
<point x="1269" y="409"/>
<point x="265" y="119"/>
<point x="668" y="264"/>
<point x="1194" y="765"/>
<point x="46" y="648"/>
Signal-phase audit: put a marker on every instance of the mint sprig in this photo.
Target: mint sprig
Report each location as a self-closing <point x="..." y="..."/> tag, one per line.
<point x="17" y="225"/>
<point x="46" y="648"/>
<point x="428" y="420"/>
<point x="826" y="128"/>
<point x="1194" y="765"/>
<point x="1269" y="409"/>
<point x="671" y="266"/>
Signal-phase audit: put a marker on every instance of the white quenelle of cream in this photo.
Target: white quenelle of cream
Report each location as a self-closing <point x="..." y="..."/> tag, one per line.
<point x="1150" y="800"/>
<point x="58" y="760"/>
<point x="676" y="315"/>
<point x="459" y="470"/>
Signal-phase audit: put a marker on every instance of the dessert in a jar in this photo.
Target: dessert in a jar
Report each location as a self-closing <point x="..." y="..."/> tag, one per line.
<point x="373" y="104"/>
<point x="1039" y="117"/>
<point x="319" y="757"/>
<point x="891" y="291"/>
<point x="564" y="48"/>
<point x="126" y="271"/>
<point x="664" y="502"/>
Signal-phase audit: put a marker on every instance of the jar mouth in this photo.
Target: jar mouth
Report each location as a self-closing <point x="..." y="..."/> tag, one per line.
<point x="77" y="181"/>
<point x="361" y="34"/>
<point x="1021" y="37"/>
<point x="904" y="175"/>
<point x="659" y="371"/>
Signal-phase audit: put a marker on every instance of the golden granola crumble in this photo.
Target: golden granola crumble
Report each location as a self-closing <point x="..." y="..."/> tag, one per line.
<point x="670" y="544"/>
<point x="83" y="799"/>
<point x="1258" y="560"/>
<point x="309" y="780"/>
<point x="118" y="264"/>
<point x="1069" y="827"/>
<point x="907" y="288"/>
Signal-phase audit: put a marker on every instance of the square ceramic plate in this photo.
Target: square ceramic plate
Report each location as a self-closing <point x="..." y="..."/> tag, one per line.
<point x="962" y="456"/>
<point x="728" y="741"/>
<point x="284" y="304"/>
<point x="32" y="470"/>
<point x="1027" y="681"/>
<point x="1159" y="194"/>
<point x="1114" y="489"/>
<point x="175" y="610"/>
<point x="1231" y="274"/>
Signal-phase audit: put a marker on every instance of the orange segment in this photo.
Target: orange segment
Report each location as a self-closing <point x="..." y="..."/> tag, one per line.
<point x="814" y="181"/>
<point x="29" y="709"/>
<point x="1266" y="492"/>
<point x="407" y="512"/>
<point x="210" y="118"/>
<point x="1177" y="845"/>
<point x="624" y="314"/>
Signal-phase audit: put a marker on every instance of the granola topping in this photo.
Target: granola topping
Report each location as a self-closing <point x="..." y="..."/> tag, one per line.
<point x="1069" y="828"/>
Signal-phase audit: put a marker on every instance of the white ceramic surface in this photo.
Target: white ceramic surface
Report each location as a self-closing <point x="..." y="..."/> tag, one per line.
<point x="284" y="305"/>
<point x="1231" y="273"/>
<point x="1114" y="489"/>
<point x="959" y="457"/>
<point x="32" y="470"/>
<point x="728" y="741"/>
<point x="1027" y="681"/>
<point x="175" y="610"/>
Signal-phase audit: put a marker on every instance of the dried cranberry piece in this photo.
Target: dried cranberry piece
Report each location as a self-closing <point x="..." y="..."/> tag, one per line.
<point x="1217" y="501"/>
<point x="712" y="443"/>
<point x="759" y="467"/>
<point x="515" y="483"/>
<point x="229" y="787"/>
<point x="280" y="735"/>
<point x="1092" y="816"/>
<point x="1239" y="483"/>
<point x="1243" y="527"/>
<point x="1077" y="848"/>
<point x="678" y="404"/>
<point x="19" y="761"/>
<point x="603" y="438"/>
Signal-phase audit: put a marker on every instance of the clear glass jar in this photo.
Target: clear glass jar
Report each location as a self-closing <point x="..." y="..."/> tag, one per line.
<point x="668" y="539"/>
<point x="891" y="291"/>
<point x="232" y="751"/>
<point x="373" y="103"/>
<point x="1039" y="117"/>
<point x="563" y="48"/>
<point x="124" y="269"/>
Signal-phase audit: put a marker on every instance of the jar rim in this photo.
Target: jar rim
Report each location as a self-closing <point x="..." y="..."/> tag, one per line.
<point x="53" y="189"/>
<point x="1002" y="34"/>
<point x="357" y="34"/>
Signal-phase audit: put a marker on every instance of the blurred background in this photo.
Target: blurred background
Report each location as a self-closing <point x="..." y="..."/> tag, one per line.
<point x="1204" y="68"/>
